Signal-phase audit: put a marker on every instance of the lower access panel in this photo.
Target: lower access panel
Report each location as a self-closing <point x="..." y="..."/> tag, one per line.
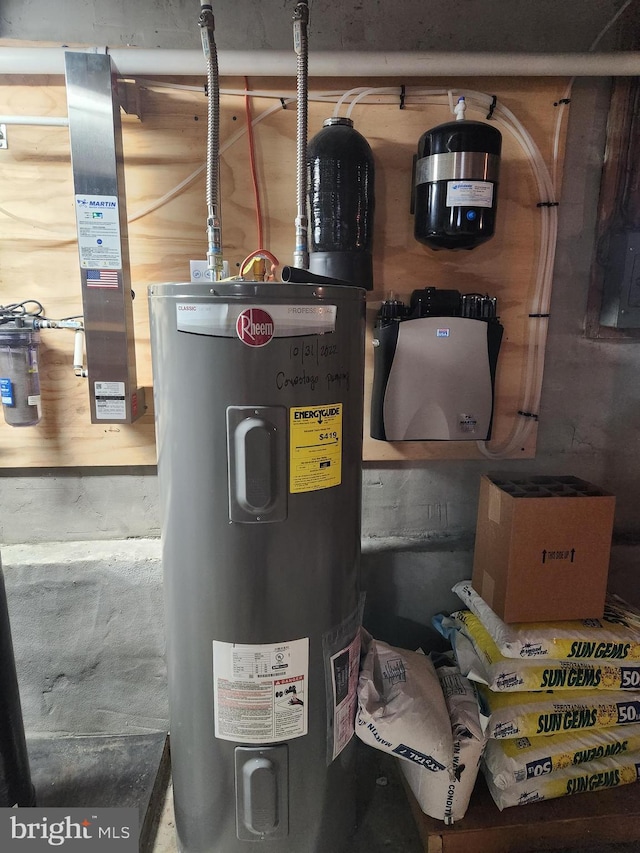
<point x="262" y="792"/>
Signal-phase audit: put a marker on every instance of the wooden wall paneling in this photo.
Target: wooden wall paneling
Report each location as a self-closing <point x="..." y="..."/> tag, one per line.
<point x="38" y="252"/>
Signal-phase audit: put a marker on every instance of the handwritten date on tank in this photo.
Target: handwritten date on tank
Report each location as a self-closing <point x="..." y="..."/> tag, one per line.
<point x="309" y="351"/>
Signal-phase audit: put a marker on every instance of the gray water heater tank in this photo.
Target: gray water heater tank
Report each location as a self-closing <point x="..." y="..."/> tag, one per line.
<point x="258" y="396"/>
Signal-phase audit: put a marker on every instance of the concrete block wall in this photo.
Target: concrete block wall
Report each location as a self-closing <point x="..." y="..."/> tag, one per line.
<point x="88" y="627"/>
<point x="88" y="634"/>
<point x="87" y="621"/>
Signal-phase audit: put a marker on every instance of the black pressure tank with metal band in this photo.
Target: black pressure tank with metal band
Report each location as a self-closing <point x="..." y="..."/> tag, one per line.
<point x="341" y="203"/>
<point x="456" y="184"/>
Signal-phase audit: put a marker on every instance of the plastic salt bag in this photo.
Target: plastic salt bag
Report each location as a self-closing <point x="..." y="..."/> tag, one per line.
<point x="480" y="660"/>
<point x="519" y="759"/>
<point x="614" y="637"/>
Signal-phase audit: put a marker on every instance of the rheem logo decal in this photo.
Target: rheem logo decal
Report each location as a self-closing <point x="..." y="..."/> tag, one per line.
<point x="254" y="327"/>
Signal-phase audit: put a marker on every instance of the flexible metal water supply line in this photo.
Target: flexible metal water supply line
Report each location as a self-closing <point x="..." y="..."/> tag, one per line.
<point x="301" y="48"/>
<point x="214" y="227"/>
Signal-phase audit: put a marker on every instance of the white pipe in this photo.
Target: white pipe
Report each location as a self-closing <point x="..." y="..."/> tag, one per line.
<point x="52" y="121"/>
<point x="281" y="63"/>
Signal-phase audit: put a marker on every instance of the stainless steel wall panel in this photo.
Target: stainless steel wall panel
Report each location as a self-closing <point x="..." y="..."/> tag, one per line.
<point x="101" y="215"/>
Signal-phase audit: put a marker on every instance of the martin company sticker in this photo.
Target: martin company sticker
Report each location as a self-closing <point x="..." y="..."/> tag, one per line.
<point x="98" y="222"/>
<point x="82" y="830"/>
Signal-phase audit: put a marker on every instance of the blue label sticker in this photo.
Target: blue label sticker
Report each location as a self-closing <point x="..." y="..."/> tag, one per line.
<point x="426" y="761"/>
<point x="443" y="333"/>
<point x="6" y="392"/>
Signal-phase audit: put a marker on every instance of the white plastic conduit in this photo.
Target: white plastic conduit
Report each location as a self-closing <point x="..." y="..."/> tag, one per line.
<point x="281" y="63"/>
<point x="43" y="121"/>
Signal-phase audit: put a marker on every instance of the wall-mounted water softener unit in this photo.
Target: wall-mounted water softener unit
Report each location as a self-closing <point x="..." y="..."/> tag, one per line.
<point x="434" y="367"/>
<point x="258" y="397"/>
<point x="19" y="377"/>
<point x="455" y="190"/>
<point x="340" y="183"/>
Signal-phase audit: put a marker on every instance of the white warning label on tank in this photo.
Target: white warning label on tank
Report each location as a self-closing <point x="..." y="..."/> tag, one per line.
<point x="469" y="194"/>
<point x="260" y="691"/>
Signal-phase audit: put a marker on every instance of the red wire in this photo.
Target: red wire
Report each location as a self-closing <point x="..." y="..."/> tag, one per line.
<point x="252" y="160"/>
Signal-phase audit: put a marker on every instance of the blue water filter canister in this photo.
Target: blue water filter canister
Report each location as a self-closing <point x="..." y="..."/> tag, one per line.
<point x="19" y="377"/>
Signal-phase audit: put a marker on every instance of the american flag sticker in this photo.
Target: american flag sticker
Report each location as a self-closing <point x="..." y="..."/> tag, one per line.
<point x="102" y="278"/>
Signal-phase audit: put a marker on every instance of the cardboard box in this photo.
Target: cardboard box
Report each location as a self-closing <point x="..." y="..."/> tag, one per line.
<point x="542" y="547"/>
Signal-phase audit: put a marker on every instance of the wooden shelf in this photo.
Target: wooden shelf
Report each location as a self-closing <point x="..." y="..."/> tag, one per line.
<point x="581" y="821"/>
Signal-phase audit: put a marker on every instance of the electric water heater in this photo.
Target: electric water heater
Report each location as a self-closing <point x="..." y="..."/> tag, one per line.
<point x="258" y="393"/>
<point x="434" y="367"/>
<point x="455" y="191"/>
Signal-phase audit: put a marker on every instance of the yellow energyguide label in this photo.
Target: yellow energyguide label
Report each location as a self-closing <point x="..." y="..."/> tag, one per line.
<point x="315" y="447"/>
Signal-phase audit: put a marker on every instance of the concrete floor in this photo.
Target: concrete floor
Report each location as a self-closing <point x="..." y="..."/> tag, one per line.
<point x="133" y="771"/>
<point x="103" y="771"/>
